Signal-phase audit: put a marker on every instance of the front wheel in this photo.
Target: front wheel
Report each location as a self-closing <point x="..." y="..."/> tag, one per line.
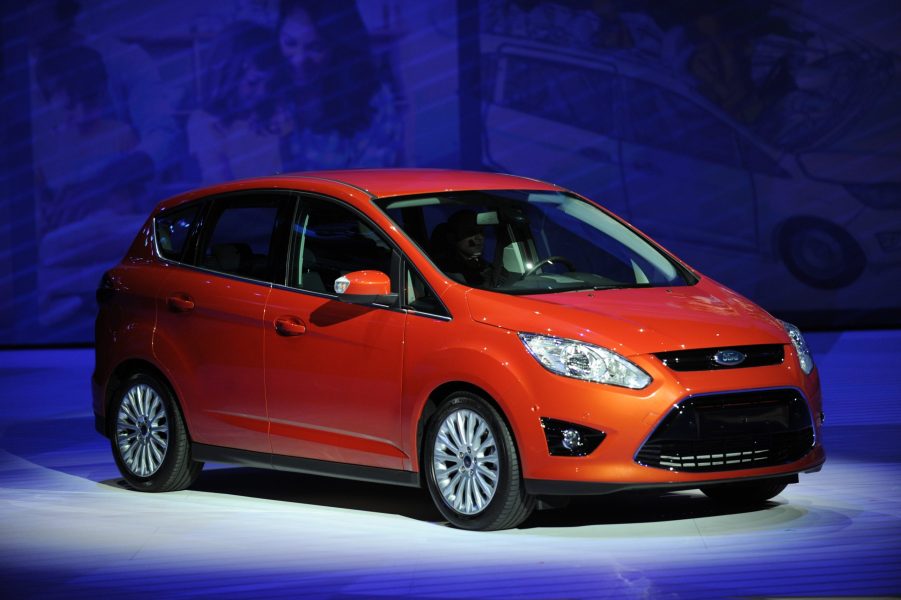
<point x="149" y="438"/>
<point x="472" y="466"/>
<point x="745" y="493"/>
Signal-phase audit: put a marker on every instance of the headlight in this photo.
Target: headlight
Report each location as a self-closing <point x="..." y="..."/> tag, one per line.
<point x="584" y="361"/>
<point x="801" y="348"/>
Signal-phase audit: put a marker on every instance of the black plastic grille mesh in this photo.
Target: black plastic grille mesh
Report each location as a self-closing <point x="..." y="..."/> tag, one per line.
<point x="732" y="431"/>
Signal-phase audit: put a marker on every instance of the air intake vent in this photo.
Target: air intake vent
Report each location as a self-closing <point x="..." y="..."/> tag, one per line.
<point x="730" y="357"/>
<point x="724" y="432"/>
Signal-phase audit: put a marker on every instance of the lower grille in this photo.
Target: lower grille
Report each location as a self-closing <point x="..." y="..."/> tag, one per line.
<point x="739" y="430"/>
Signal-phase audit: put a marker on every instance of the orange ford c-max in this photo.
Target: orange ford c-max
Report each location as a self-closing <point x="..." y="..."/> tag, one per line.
<point x="497" y="339"/>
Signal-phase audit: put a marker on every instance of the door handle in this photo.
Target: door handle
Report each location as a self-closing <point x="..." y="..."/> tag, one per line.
<point x="289" y="325"/>
<point x="180" y="303"/>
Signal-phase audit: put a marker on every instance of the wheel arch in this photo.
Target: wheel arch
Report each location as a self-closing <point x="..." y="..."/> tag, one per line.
<point x="437" y="397"/>
<point x="126" y="369"/>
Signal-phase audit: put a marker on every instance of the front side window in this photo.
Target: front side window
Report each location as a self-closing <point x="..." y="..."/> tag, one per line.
<point x="330" y="241"/>
<point x="245" y="235"/>
<point x="540" y="242"/>
<point x="419" y="297"/>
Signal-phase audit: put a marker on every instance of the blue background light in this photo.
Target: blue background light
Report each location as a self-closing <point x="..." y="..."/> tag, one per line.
<point x="759" y="141"/>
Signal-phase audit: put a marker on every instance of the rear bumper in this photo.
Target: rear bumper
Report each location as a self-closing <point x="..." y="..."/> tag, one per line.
<point x="100" y="425"/>
<point x="98" y="404"/>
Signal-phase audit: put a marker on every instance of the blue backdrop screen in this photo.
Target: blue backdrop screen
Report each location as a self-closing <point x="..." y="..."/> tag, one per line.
<point x="759" y="141"/>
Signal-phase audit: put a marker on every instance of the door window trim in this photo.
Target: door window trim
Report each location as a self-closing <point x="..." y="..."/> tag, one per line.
<point x="294" y="247"/>
<point x="408" y="267"/>
<point x="189" y="255"/>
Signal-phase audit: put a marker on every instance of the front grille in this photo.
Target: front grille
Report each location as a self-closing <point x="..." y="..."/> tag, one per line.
<point x="738" y="430"/>
<point x="705" y="359"/>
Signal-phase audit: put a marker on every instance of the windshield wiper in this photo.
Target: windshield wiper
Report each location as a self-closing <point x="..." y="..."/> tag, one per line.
<point x="621" y="286"/>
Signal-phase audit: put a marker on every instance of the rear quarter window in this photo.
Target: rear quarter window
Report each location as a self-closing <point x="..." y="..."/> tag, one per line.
<point x="172" y="229"/>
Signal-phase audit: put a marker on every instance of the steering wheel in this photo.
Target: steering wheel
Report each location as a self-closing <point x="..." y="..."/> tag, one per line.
<point x="549" y="260"/>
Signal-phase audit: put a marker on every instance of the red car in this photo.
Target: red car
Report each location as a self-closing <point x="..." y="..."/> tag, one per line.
<point x="495" y="338"/>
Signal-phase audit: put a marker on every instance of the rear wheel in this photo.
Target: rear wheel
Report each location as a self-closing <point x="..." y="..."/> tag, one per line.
<point x="472" y="466"/>
<point x="745" y="493"/>
<point x="149" y="438"/>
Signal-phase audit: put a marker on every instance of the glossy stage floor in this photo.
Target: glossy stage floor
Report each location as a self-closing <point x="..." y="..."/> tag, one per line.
<point x="69" y="529"/>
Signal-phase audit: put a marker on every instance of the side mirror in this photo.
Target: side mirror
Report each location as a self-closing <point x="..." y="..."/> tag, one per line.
<point x="365" y="287"/>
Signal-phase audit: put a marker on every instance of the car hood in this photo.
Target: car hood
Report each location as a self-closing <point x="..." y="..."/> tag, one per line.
<point x="635" y="321"/>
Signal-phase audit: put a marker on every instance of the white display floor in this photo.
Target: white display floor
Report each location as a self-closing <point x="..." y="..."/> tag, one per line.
<point x="69" y="529"/>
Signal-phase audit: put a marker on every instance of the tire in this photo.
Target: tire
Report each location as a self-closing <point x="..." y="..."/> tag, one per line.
<point x="745" y="493"/>
<point x="820" y="253"/>
<point x="149" y="438"/>
<point x="474" y="488"/>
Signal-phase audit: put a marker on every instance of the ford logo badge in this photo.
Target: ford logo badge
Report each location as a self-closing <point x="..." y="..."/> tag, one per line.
<point x="729" y="358"/>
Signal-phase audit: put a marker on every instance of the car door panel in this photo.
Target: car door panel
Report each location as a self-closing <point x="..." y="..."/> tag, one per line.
<point x="334" y="390"/>
<point x="334" y="369"/>
<point x="210" y="324"/>
<point x="223" y="397"/>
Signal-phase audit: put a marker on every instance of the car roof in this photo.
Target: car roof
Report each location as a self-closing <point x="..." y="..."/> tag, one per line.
<point x="353" y="184"/>
<point x="385" y="183"/>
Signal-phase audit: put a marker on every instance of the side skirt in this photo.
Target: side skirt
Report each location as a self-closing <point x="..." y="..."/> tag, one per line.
<point x="205" y="453"/>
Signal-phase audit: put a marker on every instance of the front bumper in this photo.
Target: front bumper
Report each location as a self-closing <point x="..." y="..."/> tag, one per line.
<point x="629" y="418"/>
<point x="546" y="487"/>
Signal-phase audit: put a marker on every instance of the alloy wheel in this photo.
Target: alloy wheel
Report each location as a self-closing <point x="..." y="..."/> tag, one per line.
<point x="142" y="430"/>
<point x="466" y="463"/>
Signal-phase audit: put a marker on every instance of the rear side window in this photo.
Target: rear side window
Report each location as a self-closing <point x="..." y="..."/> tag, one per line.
<point x="172" y="229"/>
<point x="247" y="236"/>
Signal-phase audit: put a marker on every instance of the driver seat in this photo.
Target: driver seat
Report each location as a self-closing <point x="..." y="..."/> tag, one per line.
<point x="513" y="257"/>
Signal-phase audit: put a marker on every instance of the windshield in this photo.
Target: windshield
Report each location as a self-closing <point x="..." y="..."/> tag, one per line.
<point x="522" y="242"/>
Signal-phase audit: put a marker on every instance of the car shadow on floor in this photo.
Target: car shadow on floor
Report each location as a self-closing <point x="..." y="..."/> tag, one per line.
<point x="409" y="502"/>
<point x="613" y="509"/>
<point x="70" y="445"/>
<point x="625" y="508"/>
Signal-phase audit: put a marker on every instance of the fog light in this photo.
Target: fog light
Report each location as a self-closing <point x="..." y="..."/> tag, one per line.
<point x="569" y="439"/>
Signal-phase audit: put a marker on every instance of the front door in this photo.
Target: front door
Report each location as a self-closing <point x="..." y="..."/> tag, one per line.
<point x="334" y="370"/>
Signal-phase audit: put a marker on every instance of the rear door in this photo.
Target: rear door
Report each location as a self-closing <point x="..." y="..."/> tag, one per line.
<point x="210" y="327"/>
